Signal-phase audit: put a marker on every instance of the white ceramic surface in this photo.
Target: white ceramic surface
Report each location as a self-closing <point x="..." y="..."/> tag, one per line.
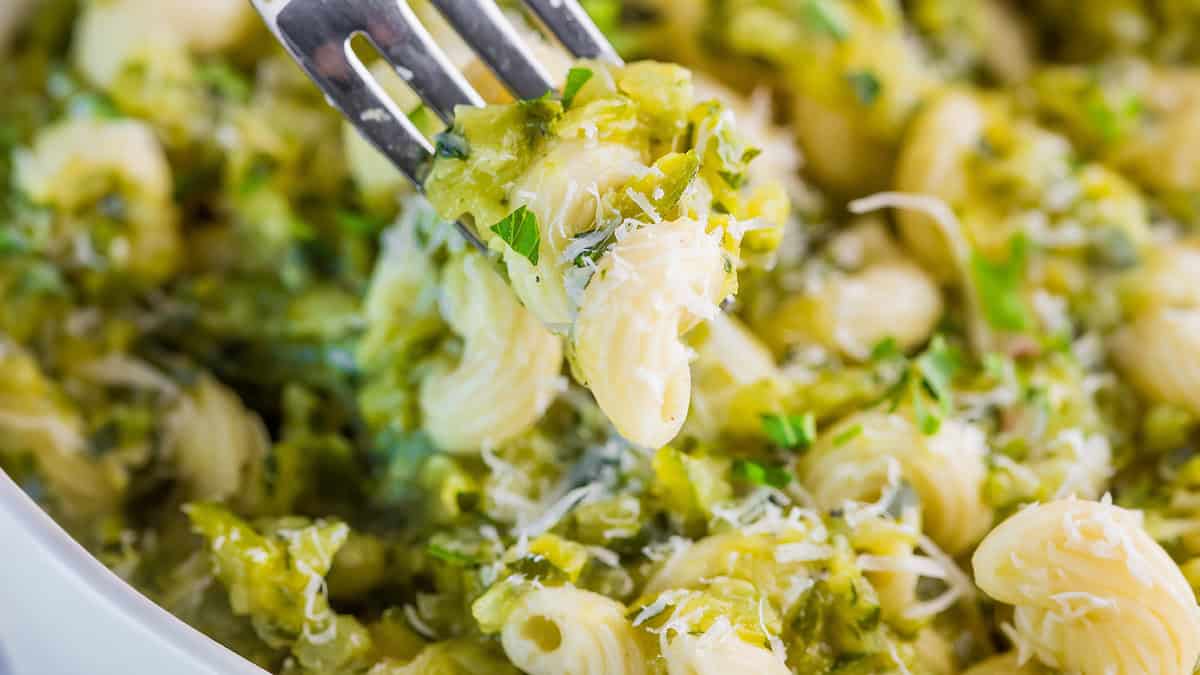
<point x="64" y="613"/>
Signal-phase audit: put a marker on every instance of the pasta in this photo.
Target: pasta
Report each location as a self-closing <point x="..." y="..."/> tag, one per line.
<point x="945" y="469"/>
<point x="843" y="314"/>
<point x="215" y="441"/>
<point x="604" y="242"/>
<point x="508" y="372"/>
<point x="762" y="350"/>
<point x="1093" y="593"/>
<point x="638" y="368"/>
<point x="1155" y="349"/>
<point x="120" y="156"/>
<point x="114" y="35"/>
<point x="716" y="651"/>
<point x="730" y="361"/>
<point x="572" y="632"/>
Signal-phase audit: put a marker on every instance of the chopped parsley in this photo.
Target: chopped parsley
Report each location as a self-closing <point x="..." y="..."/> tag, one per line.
<point x="576" y="78"/>
<point x="937" y="366"/>
<point x="519" y="230"/>
<point x="936" y="369"/>
<point x="886" y="349"/>
<point x="825" y="17"/>
<point x="452" y="145"/>
<point x="453" y="557"/>
<point x="761" y="474"/>
<point x="866" y="86"/>
<point x="928" y="421"/>
<point x="846" y="435"/>
<point x="225" y="81"/>
<point x="358" y="223"/>
<point x="999" y="286"/>
<point x="1111" y="121"/>
<point x="790" y="431"/>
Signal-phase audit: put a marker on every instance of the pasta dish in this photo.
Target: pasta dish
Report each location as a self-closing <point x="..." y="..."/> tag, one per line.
<point x="826" y="337"/>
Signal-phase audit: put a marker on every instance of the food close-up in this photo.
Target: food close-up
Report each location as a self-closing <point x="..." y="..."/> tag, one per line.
<point x="810" y="337"/>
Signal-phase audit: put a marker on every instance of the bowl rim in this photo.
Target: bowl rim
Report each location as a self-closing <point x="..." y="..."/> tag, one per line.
<point x="118" y="595"/>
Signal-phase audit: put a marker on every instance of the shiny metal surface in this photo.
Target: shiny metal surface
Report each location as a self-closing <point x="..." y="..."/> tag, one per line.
<point x="574" y="29"/>
<point x="317" y="34"/>
<point x="483" y="26"/>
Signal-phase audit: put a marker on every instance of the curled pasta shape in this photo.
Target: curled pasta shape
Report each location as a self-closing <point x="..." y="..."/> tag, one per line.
<point x="562" y="190"/>
<point x="1160" y="353"/>
<point x="214" y="441"/>
<point x="765" y="559"/>
<point x="110" y="35"/>
<point x="729" y="357"/>
<point x="656" y="283"/>
<point x="1158" y="349"/>
<point x="567" y="631"/>
<point x="932" y="163"/>
<point x="947" y="470"/>
<point x="509" y="370"/>
<point x="853" y="313"/>
<point x="1166" y="155"/>
<point x="1093" y="593"/>
<point x="716" y="652"/>
<point x="73" y="164"/>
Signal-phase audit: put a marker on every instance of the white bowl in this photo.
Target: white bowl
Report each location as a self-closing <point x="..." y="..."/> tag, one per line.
<point x="64" y="613"/>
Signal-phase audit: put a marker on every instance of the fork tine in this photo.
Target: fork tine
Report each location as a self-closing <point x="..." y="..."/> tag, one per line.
<point x="489" y="34"/>
<point x="574" y="29"/>
<point x="314" y="29"/>
<point x="319" y="44"/>
<point x="317" y="34"/>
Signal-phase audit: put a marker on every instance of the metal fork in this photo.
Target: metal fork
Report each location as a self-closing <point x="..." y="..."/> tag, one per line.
<point x="317" y="34"/>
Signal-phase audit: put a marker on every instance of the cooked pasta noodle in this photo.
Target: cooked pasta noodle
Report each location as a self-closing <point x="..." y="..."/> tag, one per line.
<point x="946" y="469"/>
<point x="719" y="651"/>
<point x="509" y="369"/>
<point x="1093" y="593"/>
<point x="637" y="367"/>
<point x="568" y="631"/>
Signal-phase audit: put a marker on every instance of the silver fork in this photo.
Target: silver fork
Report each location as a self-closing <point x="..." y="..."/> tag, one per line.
<point x="317" y="34"/>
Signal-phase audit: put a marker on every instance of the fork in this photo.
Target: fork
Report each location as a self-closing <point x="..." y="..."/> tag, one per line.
<point x="317" y="34"/>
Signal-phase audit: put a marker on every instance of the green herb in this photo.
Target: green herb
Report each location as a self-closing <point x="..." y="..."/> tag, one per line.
<point x="866" y="86"/>
<point x="1110" y="121"/>
<point x="927" y="420"/>
<point x="790" y="431"/>
<point x="358" y="223"/>
<point x="734" y="179"/>
<point x="996" y="365"/>
<point x="576" y="78"/>
<point x="12" y="242"/>
<point x="519" y="230"/>
<point x="938" y="366"/>
<point x="225" y="81"/>
<point x="999" y="287"/>
<point x="260" y="171"/>
<point x="886" y="349"/>
<point x="846" y="435"/>
<point x="453" y="557"/>
<point x="452" y="145"/>
<point x="827" y="18"/>
<point x="761" y="474"/>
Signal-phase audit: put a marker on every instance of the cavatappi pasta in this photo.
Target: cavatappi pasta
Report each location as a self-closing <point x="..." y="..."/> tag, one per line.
<point x="826" y="337"/>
